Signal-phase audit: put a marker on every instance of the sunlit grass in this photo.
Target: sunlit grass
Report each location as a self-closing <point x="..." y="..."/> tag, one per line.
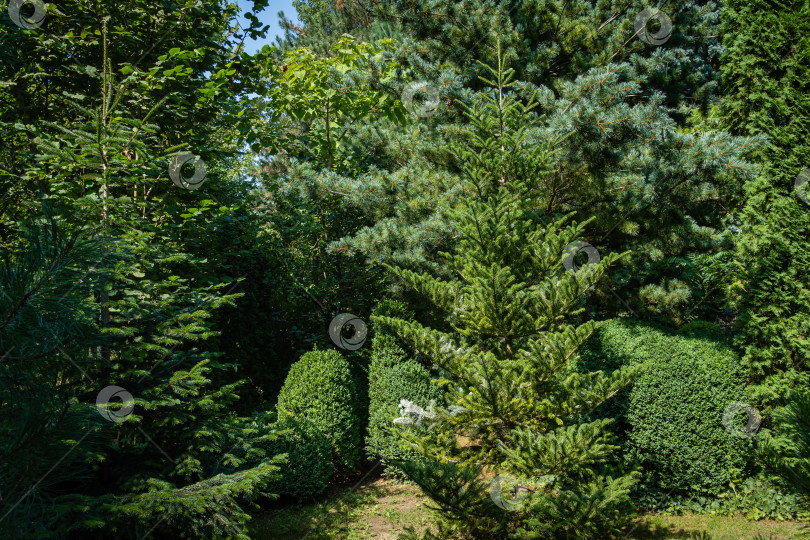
<point x="382" y="510"/>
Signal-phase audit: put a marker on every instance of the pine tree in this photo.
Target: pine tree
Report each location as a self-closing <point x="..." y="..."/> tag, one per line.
<point x="653" y="179"/>
<point x="323" y="22"/>
<point x="766" y="87"/>
<point x="515" y="399"/>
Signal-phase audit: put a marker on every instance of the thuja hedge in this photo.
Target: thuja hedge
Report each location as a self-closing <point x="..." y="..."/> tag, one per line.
<point x="320" y="387"/>
<point x="670" y="418"/>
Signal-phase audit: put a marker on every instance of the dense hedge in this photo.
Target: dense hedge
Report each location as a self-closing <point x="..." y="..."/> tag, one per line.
<point x="389" y="307"/>
<point x="320" y="387"/>
<point x="390" y="384"/>
<point x="309" y="458"/>
<point x="393" y="376"/>
<point x="670" y="417"/>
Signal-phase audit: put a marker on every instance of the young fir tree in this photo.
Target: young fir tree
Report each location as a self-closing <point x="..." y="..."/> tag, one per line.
<point x="515" y="401"/>
<point x="654" y="183"/>
<point x="120" y="258"/>
<point x="766" y="74"/>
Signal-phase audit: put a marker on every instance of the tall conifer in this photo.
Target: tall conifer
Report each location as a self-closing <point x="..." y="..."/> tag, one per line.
<point x="515" y="401"/>
<point x="656" y="182"/>
<point x="766" y="76"/>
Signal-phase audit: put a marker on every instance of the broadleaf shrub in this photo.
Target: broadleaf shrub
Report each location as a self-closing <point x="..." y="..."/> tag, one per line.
<point x="671" y="415"/>
<point x="309" y="458"/>
<point x="408" y="380"/>
<point x="393" y="376"/>
<point x="384" y="336"/>
<point x="756" y="498"/>
<point x="321" y="388"/>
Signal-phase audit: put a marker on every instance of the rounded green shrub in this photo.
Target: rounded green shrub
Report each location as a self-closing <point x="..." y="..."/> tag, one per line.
<point x="392" y="378"/>
<point x="702" y="329"/>
<point x="309" y="458"/>
<point x="671" y="415"/>
<point x="320" y="387"/>
<point x="620" y="342"/>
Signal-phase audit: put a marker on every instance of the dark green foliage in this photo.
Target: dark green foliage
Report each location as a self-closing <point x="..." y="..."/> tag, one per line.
<point x="631" y="159"/>
<point x="766" y="91"/>
<point x="513" y="395"/>
<point x="215" y="507"/>
<point x="702" y="329"/>
<point x="788" y="452"/>
<point x="617" y="343"/>
<point x="675" y="409"/>
<point x="389" y="307"/>
<point x="392" y="378"/>
<point x="320" y="387"/>
<point x="757" y="497"/>
<point x="197" y="302"/>
<point x="671" y="415"/>
<point x="309" y="458"/>
<point x="143" y="308"/>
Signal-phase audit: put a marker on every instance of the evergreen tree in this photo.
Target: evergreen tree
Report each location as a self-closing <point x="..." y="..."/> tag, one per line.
<point x="312" y="106"/>
<point x="179" y="455"/>
<point x="788" y="452"/>
<point x="515" y="398"/>
<point x="323" y="22"/>
<point x="654" y="180"/>
<point x="767" y="91"/>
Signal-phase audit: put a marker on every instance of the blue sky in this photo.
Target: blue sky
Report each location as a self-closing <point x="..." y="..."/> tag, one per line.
<point x="269" y="16"/>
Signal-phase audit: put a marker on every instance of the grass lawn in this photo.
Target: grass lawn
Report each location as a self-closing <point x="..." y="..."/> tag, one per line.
<point x="381" y="510"/>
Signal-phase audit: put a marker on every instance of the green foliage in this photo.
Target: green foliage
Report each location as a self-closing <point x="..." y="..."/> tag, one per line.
<point x="766" y="83"/>
<point x="513" y="394"/>
<point x="320" y="388"/>
<point x="85" y="150"/>
<point x="756" y="498"/>
<point x="702" y="328"/>
<point x="672" y="413"/>
<point x="394" y="377"/>
<point x="303" y="122"/>
<point x="197" y="302"/>
<point x="308" y="468"/>
<point x="214" y="507"/>
<point x="326" y="96"/>
<point x="787" y="452"/>
<point x="389" y="307"/>
<point x="674" y="409"/>
<point x="631" y="156"/>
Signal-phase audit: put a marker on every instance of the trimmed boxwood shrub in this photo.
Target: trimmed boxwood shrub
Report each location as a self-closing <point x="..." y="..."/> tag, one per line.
<point x="393" y="376"/>
<point x="670" y="417"/>
<point x="320" y="387"/>
<point x="703" y="329"/>
<point x="618" y="343"/>
<point x="309" y="458"/>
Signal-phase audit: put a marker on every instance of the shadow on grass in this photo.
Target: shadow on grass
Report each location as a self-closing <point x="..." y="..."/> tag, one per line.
<point x="646" y="529"/>
<point x="380" y="510"/>
<point x="326" y="517"/>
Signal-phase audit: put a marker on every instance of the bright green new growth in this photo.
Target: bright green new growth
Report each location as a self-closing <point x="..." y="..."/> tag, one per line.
<point x="513" y="394"/>
<point x="320" y="388"/>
